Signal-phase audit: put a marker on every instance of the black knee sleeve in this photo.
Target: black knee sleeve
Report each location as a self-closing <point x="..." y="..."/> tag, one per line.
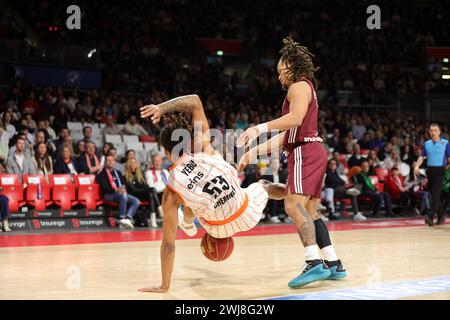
<point x="322" y="235"/>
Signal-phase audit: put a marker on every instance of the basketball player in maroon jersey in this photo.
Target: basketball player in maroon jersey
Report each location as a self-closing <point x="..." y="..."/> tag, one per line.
<point x="307" y="160"/>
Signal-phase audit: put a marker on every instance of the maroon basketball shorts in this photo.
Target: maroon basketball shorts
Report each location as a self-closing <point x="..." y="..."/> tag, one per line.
<point x="307" y="164"/>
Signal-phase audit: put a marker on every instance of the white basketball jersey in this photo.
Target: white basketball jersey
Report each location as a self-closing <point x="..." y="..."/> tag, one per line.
<point x="208" y="185"/>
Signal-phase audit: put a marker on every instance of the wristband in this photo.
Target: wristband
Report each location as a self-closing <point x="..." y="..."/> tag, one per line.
<point x="262" y="128"/>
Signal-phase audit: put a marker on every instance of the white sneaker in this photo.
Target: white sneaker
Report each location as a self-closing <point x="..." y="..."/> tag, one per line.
<point x="189" y="229"/>
<point x="288" y="220"/>
<point x="359" y="217"/>
<point x="152" y="221"/>
<point x="324" y="219"/>
<point x="353" y="192"/>
<point x="263" y="216"/>
<point x="125" y="224"/>
<point x="6" y="226"/>
<point x="275" y="219"/>
<point x="321" y="207"/>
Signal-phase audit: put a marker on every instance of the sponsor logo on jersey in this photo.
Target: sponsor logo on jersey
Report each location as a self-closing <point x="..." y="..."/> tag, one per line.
<point x="225" y="199"/>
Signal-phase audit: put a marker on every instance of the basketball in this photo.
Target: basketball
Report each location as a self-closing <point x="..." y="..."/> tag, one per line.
<point x="216" y="249"/>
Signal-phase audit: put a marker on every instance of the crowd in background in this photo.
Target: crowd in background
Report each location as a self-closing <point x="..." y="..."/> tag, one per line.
<point x="34" y="138"/>
<point x="155" y="56"/>
<point x="155" y="44"/>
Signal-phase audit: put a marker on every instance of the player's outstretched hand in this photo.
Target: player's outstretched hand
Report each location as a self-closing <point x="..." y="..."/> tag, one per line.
<point x="151" y="111"/>
<point x="159" y="289"/>
<point x="247" y="137"/>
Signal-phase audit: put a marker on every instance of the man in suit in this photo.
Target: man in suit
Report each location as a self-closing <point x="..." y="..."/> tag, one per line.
<point x="88" y="162"/>
<point x="19" y="162"/>
<point x="112" y="186"/>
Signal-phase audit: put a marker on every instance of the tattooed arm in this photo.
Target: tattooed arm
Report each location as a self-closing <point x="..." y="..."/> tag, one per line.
<point x="190" y="104"/>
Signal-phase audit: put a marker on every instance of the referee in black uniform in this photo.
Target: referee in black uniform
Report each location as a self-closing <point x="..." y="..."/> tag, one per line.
<point x="437" y="152"/>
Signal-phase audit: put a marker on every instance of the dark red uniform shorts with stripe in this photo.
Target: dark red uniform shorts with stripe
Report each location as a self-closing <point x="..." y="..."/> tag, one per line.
<point x="307" y="164"/>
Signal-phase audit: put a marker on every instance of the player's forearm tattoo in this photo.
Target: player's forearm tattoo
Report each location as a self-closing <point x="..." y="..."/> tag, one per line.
<point x="306" y="231"/>
<point x="184" y="104"/>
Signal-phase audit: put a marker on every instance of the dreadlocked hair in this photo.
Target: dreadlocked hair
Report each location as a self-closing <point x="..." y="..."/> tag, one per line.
<point x="173" y="122"/>
<point x="298" y="60"/>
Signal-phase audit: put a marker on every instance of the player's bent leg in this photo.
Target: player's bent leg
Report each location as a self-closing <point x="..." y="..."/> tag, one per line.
<point x="276" y="191"/>
<point x="315" y="269"/>
<point x="186" y="221"/>
<point x="324" y="242"/>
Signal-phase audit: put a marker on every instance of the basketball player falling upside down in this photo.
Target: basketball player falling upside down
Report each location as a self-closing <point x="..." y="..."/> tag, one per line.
<point x="307" y="161"/>
<point x="202" y="182"/>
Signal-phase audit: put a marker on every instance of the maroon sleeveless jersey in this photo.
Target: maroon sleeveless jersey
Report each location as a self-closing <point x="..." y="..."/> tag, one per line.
<point x="307" y="131"/>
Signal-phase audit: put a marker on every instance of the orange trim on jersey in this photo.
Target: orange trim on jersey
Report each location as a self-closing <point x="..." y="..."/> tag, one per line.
<point x="234" y="216"/>
<point x="179" y="194"/>
<point x="176" y="163"/>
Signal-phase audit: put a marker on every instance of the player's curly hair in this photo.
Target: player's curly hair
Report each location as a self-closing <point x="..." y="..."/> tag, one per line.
<point x="298" y="60"/>
<point x="173" y="122"/>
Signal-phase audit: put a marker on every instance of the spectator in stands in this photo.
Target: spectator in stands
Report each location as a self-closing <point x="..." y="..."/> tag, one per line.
<point x="112" y="186"/>
<point x="20" y="162"/>
<point x="242" y="122"/>
<point x="133" y="128"/>
<point x="335" y="141"/>
<point x="398" y="191"/>
<point x="61" y="119"/>
<point x="64" y="163"/>
<point x="6" y="121"/>
<point x="30" y="105"/>
<point x="4" y="141"/>
<point x="68" y="142"/>
<point x="106" y="147"/>
<point x="335" y="189"/>
<point x="42" y="137"/>
<point x="407" y="154"/>
<point x="111" y="127"/>
<point x="341" y="169"/>
<point x="157" y="178"/>
<point x="88" y="162"/>
<point x="118" y="166"/>
<point x="356" y="158"/>
<point x="394" y="161"/>
<point x="358" y="129"/>
<point x="377" y="141"/>
<point x="87" y="106"/>
<point x="417" y="186"/>
<point x="87" y="134"/>
<point x="45" y="124"/>
<point x="364" y="143"/>
<point x="124" y="114"/>
<point x="369" y="190"/>
<point x="137" y="186"/>
<point x="42" y="161"/>
<point x="24" y="129"/>
<point x="374" y="162"/>
<point x="80" y="148"/>
<point x="386" y="151"/>
<point x="4" y="211"/>
<point x="30" y="122"/>
<point x="13" y="141"/>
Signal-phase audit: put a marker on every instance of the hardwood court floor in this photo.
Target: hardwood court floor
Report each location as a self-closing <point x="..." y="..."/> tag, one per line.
<point x="259" y="268"/>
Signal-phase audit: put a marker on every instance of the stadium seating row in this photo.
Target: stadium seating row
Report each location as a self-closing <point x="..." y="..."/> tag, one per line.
<point x="62" y="191"/>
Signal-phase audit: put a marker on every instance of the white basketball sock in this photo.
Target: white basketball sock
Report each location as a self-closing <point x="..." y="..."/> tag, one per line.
<point x="312" y="252"/>
<point x="329" y="254"/>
